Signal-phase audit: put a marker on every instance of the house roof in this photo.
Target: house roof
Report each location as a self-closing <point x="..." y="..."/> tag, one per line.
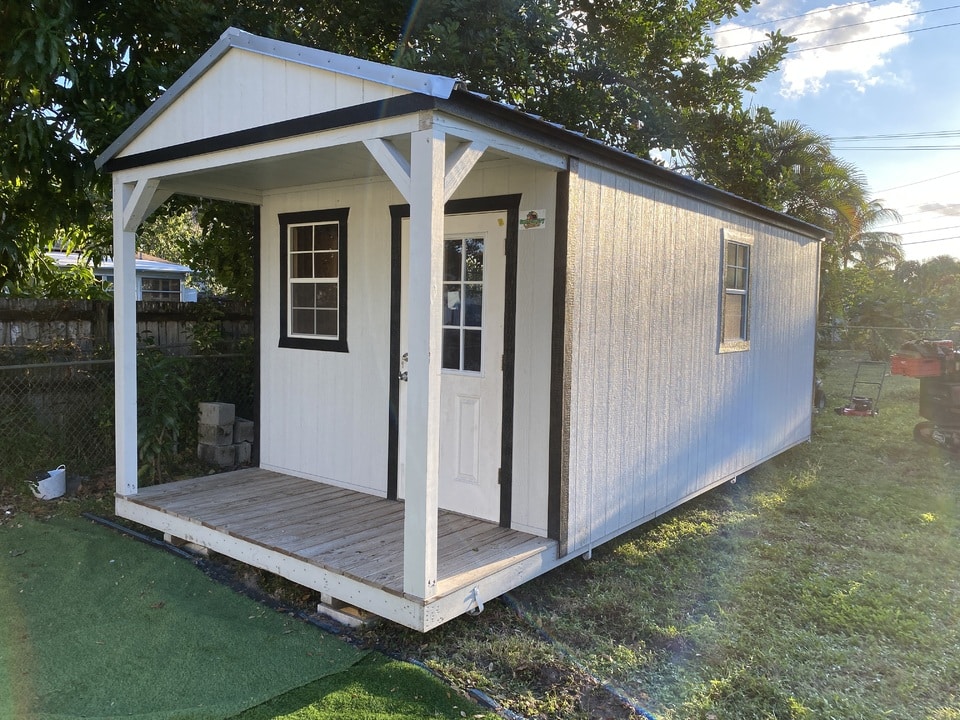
<point x="426" y="92"/>
<point x="145" y="263"/>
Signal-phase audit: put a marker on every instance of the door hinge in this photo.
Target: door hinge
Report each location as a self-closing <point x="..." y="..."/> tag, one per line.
<point x="499" y="476"/>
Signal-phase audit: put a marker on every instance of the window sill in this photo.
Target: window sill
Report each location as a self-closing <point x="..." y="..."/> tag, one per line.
<point x="303" y="343"/>
<point x="731" y="346"/>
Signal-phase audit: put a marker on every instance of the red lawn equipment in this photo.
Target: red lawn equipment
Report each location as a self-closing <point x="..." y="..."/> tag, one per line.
<point x="867" y="403"/>
<point x="937" y="365"/>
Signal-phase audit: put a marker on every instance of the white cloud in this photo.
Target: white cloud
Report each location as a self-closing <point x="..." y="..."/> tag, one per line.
<point x="852" y="57"/>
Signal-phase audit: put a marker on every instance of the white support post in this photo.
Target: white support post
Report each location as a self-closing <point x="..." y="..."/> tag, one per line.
<point x="423" y="390"/>
<point x="131" y="201"/>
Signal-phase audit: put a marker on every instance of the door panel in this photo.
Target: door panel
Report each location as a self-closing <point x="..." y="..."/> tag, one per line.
<point x="471" y="385"/>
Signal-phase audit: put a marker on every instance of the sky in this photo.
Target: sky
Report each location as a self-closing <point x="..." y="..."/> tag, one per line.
<point x="882" y="79"/>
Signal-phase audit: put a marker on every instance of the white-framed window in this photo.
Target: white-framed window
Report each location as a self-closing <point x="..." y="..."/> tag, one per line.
<point x="313" y="260"/>
<point x="735" y="291"/>
<point x="162" y="289"/>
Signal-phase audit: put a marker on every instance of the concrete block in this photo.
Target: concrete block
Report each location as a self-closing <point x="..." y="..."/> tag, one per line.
<point x="244" y="452"/>
<point x="217" y="413"/>
<point x="220" y="455"/>
<point x="242" y="430"/>
<point x="215" y="434"/>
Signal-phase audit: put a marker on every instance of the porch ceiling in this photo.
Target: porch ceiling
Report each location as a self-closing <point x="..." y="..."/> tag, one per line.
<point x="244" y="181"/>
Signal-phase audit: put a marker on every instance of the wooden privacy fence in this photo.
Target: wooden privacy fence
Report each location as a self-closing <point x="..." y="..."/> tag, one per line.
<point x="85" y="327"/>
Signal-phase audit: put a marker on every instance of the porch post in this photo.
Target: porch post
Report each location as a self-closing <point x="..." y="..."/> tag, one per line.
<point x="423" y="371"/>
<point x="131" y="202"/>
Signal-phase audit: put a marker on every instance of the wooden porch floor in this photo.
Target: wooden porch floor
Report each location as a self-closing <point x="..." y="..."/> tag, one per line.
<point x="342" y="532"/>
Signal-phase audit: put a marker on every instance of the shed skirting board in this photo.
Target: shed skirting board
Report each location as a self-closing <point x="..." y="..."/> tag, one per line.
<point x="578" y="551"/>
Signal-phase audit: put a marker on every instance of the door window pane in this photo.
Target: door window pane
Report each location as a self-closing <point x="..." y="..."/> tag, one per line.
<point x="462" y="303"/>
<point x="473" y="305"/>
<point x="471" y="350"/>
<point x="453" y="260"/>
<point x="451" y="349"/>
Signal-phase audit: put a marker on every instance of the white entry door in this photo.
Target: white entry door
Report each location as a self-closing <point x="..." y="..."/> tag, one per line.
<point x="471" y="385"/>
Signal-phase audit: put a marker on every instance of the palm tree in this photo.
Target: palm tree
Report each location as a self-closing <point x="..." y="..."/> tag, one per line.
<point x="872" y="248"/>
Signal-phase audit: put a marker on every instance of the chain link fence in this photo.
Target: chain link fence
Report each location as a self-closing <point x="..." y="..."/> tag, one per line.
<point x="879" y="342"/>
<point x="62" y="412"/>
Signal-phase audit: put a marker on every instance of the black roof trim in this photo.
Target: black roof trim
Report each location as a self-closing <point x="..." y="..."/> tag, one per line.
<point x="471" y="106"/>
<point x="343" y="117"/>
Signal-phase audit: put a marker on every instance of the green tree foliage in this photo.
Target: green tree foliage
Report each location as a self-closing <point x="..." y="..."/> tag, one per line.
<point x="634" y="73"/>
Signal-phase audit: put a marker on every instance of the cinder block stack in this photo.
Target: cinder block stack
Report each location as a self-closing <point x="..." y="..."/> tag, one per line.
<point x="224" y="439"/>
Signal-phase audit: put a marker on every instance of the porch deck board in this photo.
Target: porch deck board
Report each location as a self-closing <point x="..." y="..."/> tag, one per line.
<point x="353" y="534"/>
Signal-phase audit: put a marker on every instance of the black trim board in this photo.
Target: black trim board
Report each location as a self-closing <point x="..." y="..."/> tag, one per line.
<point x="487" y="113"/>
<point x="338" y="215"/>
<point x="257" y="362"/>
<point x="342" y="117"/>
<point x="499" y="203"/>
<point x="561" y="351"/>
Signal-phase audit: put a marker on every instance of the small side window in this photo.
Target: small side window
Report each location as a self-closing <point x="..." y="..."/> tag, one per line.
<point x="735" y="292"/>
<point x="313" y="261"/>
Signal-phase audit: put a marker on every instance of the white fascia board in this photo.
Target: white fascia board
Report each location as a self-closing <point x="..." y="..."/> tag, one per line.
<point x="183" y="83"/>
<point x="273" y="149"/>
<point x="434" y="85"/>
<point x="500" y="141"/>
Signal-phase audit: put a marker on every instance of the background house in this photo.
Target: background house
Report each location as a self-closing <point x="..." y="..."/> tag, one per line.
<point x="156" y="279"/>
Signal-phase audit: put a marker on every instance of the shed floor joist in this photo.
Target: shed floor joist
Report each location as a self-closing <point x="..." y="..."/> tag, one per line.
<point x="341" y="542"/>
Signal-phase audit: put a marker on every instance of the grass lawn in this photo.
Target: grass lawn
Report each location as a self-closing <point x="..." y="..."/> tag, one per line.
<point x="825" y="584"/>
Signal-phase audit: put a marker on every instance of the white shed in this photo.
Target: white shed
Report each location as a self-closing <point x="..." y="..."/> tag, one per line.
<point x="486" y="344"/>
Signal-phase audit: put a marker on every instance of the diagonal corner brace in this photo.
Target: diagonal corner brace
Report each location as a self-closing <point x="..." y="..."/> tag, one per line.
<point x="140" y="204"/>
<point x="392" y="162"/>
<point x="459" y="165"/>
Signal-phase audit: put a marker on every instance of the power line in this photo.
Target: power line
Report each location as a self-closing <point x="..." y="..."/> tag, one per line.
<point x="924" y="242"/>
<point x="900" y="147"/>
<point x="848" y="25"/>
<point x="920" y="182"/>
<point x="876" y="37"/>
<point x="929" y="230"/>
<point x="901" y="136"/>
<point x="792" y="17"/>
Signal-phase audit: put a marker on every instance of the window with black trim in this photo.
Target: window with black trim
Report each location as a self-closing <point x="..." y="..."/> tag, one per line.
<point x="735" y="296"/>
<point x="313" y="261"/>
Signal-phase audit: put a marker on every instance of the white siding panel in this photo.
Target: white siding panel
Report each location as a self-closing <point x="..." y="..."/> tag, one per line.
<point x="325" y="415"/>
<point x="658" y="414"/>
<point x="246" y="90"/>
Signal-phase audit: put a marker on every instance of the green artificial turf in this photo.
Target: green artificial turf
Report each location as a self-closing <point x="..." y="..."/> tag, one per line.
<point x="96" y="625"/>
<point x="375" y="688"/>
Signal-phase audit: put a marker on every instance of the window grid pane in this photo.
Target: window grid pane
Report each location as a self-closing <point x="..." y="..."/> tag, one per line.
<point x="736" y="277"/>
<point x="462" y="309"/>
<point x="314" y="280"/>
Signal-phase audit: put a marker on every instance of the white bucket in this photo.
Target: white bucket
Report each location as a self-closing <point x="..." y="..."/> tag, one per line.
<point x="52" y="486"/>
